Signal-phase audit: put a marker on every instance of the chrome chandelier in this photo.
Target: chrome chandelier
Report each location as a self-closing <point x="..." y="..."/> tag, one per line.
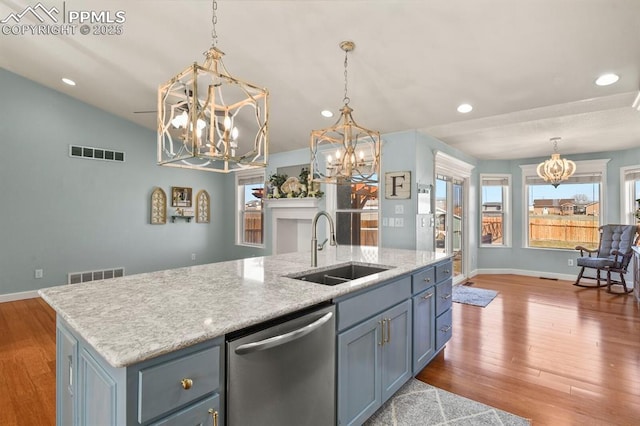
<point x="345" y="152"/>
<point x="556" y="169"/>
<point x="209" y="120"/>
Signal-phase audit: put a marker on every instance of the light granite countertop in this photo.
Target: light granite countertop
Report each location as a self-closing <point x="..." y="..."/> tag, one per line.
<point x="138" y="317"/>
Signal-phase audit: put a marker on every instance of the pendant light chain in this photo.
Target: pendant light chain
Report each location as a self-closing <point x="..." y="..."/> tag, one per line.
<point x="346" y="99"/>
<point x="214" y="21"/>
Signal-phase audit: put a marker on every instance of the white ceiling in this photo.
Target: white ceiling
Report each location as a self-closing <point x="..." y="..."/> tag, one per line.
<point x="527" y="66"/>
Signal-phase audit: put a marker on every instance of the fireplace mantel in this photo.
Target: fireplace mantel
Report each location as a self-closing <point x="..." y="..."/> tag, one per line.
<point x="291" y="223"/>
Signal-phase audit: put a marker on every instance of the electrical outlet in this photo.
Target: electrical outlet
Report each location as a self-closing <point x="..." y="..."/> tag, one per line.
<point x="193" y="256"/>
<point x="39" y="273"/>
<point x="570" y="262"/>
<point x="399" y="222"/>
<point x="399" y="209"/>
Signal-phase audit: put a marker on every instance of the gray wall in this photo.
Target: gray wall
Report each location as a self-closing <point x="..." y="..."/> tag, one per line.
<point x="63" y="214"/>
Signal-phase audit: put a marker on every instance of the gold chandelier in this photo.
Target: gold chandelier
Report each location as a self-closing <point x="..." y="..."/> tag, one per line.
<point x="345" y="152"/>
<point x="556" y="169"/>
<point x="209" y="120"/>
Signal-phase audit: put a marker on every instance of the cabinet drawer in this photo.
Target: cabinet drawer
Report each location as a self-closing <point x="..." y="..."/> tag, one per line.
<point x="160" y="387"/>
<point x="443" y="329"/>
<point x="422" y="280"/>
<point x="197" y="414"/>
<point x="444" y="271"/>
<point x="352" y="311"/>
<point x="443" y="296"/>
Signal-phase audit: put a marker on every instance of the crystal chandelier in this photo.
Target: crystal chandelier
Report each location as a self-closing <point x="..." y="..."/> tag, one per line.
<point x="345" y="152"/>
<point x="556" y="169"/>
<point x="209" y="120"/>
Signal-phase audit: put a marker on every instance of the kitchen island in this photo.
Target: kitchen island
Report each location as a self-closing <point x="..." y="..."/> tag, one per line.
<point x="129" y="325"/>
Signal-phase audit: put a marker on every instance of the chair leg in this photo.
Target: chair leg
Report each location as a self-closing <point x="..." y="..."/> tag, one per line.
<point x="599" y="279"/>
<point x="622" y="282"/>
<point x="579" y="276"/>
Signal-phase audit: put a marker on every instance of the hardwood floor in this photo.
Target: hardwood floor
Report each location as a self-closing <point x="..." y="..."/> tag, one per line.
<point x="545" y="350"/>
<point x="27" y="363"/>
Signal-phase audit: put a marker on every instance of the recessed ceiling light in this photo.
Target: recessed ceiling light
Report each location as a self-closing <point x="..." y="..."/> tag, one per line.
<point x="68" y="81"/>
<point x="464" y="108"/>
<point x="607" y="79"/>
<point x="326" y="113"/>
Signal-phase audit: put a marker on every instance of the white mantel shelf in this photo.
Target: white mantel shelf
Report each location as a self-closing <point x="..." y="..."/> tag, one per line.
<point x="298" y="203"/>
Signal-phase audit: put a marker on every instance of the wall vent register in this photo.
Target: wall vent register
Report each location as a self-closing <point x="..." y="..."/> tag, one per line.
<point x="83" y="277"/>
<point x="92" y="153"/>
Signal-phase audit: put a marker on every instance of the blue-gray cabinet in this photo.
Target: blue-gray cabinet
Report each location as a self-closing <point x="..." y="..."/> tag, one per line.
<point x="424" y="342"/>
<point x="431" y="304"/>
<point x="374" y="354"/>
<point x="181" y="388"/>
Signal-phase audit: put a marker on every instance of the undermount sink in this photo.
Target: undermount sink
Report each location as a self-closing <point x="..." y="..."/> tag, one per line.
<point x="339" y="274"/>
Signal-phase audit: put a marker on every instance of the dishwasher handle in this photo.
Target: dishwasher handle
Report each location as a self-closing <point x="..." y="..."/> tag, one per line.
<point x="283" y="338"/>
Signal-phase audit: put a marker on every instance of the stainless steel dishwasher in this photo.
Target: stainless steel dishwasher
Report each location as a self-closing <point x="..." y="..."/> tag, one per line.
<point x="283" y="373"/>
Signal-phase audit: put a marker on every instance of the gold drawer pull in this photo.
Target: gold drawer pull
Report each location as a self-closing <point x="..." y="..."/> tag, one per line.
<point x="214" y="414"/>
<point x="427" y="296"/>
<point x="446" y="296"/>
<point x="445" y="329"/>
<point x="186" y="383"/>
<point x="446" y="271"/>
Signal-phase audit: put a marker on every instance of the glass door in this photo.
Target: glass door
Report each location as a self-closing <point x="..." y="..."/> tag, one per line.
<point x="449" y="220"/>
<point x="457" y="227"/>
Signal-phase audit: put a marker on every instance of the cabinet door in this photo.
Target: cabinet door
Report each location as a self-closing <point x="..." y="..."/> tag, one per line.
<point x="97" y="396"/>
<point x="423" y="329"/>
<point x="358" y="372"/>
<point x="396" y="348"/>
<point x="66" y="363"/>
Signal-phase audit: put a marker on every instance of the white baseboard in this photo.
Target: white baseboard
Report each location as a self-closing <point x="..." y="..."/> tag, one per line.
<point x="552" y="275"/>
<point x="18" y="296"/>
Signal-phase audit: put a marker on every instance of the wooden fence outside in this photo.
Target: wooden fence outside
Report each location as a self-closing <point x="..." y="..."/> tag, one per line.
<point x="253" y="227"/>
<point x="562" y="233"/>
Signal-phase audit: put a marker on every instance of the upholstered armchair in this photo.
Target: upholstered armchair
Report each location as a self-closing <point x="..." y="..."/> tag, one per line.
<point x="611" y="257"/>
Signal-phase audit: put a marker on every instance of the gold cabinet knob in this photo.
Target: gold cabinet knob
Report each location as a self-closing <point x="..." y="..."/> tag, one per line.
<point x="186" y="383"/>
<point x="427" y="280"/>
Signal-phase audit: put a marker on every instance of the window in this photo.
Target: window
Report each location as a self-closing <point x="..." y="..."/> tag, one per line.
<point x="357" y="214"/>
<point x="566" y="216"/>
<point x="250" y="218"/>
<point x="495" y="208"/>
<point x="630" y="187"/>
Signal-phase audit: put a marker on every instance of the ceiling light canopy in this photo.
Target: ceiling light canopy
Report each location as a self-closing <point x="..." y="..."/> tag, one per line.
<point x="607" y="79"/>
<point x="345" y="152"/>
<point x="556" y="169"/>
<point x="209" y="120"/>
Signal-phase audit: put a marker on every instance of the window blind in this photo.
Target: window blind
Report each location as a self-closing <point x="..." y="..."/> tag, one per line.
<point x="577" y="178"/>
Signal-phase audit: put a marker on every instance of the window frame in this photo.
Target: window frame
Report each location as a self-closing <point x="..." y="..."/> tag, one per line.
<point x="583" y="167"/>
<point x="258" y="174"/>
<point x="627" y="194"/>
<point x="506" y="209"/>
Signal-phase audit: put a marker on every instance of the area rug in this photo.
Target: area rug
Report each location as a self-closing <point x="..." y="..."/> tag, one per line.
<point x="473" y="296"/>
<point x="420" y="404"/>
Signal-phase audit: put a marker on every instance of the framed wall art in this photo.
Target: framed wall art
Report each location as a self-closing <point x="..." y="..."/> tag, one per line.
<point x="397" y="185"/>
<point x="181" y="196"/>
